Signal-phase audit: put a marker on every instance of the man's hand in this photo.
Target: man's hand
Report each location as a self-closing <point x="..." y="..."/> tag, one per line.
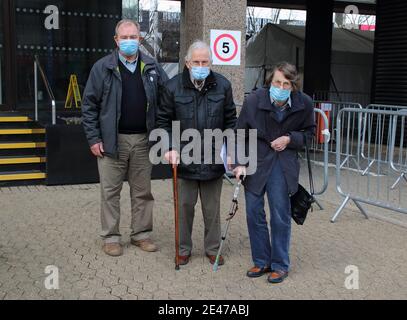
<point x="172" y="157"/>
<point x="280" y="143"/>
<point x="239" y="171"/>
<point x="97" y="149"/>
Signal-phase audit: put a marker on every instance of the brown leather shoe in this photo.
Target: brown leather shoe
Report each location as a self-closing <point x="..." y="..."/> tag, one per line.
<point x="256" y="272"/>
<point x="212" y="259"/>
<point x="113" y="249"/>
<point x="277" y="276"/>
<point x="145" y="245"/>
<point x="183" y="260"/>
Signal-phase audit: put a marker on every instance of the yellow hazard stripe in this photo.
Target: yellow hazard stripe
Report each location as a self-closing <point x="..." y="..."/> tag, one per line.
<point x="22" y="131"/>
<point x="22" y="160"/>
<point x="22" y="176"/>
<point x="22" y="145"/>
<point x="15" y="119"/>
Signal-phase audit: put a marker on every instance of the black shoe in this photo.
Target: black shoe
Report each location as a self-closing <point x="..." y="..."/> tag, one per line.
<point x="256" y="272"/>
<point x="277" y="276"/>
<point x="212" y="259"/>
<point x="183" y="260"/>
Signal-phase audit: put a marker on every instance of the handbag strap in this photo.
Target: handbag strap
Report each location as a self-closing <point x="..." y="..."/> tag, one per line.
<point x="311" y="180"/>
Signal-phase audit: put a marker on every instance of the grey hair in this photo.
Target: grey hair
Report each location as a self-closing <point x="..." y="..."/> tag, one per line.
<point x="290" y="73"/>
<point x="198" y="44"/>
<point x="126" y="21"/>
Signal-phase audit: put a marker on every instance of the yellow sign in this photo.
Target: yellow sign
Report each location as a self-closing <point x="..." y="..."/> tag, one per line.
<point x="73" y="93"/>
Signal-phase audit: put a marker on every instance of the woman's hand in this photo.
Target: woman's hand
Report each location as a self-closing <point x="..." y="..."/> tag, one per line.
<point x="280" y="143"/>
<point x="239" y="171"/>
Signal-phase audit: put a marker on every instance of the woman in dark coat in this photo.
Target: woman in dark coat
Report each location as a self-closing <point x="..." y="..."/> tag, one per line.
<point x="283" y="116"/>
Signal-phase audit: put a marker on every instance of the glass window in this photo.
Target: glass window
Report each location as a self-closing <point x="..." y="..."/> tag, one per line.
<point x="2" y="64"/>
<point x="160" y="28"/>
<point x="82" y="33"/>
<point x="70" y="36"/>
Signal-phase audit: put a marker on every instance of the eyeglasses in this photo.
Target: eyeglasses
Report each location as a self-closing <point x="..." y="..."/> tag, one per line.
<point x="285" y="84"/>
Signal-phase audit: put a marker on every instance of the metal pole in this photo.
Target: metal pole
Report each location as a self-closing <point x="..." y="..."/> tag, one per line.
<point x="36" y="90"/>
<point x="232" y="212"/>
<point x="54" y="113"/>
<point x="216" y="264"/>
<point x="361" y="208"/>
<point x="228" y="179"/>
<point x="337" y="213"/>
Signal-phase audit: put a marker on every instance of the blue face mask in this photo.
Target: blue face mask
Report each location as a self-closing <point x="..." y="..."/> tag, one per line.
<point x="279" y="94"/>
<point x="200" y="73"/>
<point x="129" y="47"/>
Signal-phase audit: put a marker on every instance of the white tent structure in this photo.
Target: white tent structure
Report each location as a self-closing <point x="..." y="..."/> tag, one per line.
<point x="351" y="63"/>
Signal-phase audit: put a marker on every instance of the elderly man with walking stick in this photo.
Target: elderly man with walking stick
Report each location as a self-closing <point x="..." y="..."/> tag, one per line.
<point x="199" y="99"/>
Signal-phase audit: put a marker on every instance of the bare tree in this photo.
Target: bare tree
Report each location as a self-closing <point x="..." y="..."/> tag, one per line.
<point x="275" y="15"/>
<point x="130" y="9"/>
<point x="151" y="40"/>
<point x="251" y="21"/>
<point x="353" y="21"/>
<point x="154" y="26"/>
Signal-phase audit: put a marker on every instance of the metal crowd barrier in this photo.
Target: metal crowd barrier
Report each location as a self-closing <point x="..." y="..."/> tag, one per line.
<point x="399" y="134"/>
<point x="319" y="150"/>
<point x="399" y="164"/>
<point x="324" y="131"/>
<point x="331" y="110"/>
<point x="364" y="130"/>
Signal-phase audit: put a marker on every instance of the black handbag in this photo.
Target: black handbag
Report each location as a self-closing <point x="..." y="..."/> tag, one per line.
<point x="302" y="200"/>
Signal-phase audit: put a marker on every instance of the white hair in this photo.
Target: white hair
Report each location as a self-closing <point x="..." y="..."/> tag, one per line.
<point x="198" y="44"/>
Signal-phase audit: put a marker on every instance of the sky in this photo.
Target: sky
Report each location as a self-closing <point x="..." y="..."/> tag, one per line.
<point x="284" y="13"/>
<point x="171" y="6"/>
<point x="175" y="6"/>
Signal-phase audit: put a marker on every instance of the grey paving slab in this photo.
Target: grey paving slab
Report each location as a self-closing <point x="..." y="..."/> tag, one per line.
<point x="42" y="226"/>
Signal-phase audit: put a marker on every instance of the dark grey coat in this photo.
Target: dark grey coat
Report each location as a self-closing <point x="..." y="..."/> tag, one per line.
<point x="210" y="108"/>
<point x="258" y="113"/>
<point x="101" y="108"/>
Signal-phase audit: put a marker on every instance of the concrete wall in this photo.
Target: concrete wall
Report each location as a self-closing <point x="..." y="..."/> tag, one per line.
<point x="198" y="17"/>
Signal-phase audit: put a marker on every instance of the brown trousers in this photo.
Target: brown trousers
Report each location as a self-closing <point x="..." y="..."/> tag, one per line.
<point x="133" y="163"/>
<point x="209" y="192"/>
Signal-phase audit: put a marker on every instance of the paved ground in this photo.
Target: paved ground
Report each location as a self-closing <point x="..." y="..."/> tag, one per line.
<point x="42" y="226"/>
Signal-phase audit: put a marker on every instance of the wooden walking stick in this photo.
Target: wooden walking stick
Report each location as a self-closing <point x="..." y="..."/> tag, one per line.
<point x="175" y="188"/>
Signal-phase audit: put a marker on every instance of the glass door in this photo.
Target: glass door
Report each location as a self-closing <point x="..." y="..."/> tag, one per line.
<point x="7" y="57"/>
<point x="2" y="62"/>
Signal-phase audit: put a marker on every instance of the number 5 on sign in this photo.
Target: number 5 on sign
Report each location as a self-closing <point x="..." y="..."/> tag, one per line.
<point x="226" y="47"/>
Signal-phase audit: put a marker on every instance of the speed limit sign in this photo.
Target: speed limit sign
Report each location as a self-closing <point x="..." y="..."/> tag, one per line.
<point x="226" y="47"/>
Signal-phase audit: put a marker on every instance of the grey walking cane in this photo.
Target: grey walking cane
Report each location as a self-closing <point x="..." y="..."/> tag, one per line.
<point x="175" y="188"/>
<point x="232" y="211"/>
